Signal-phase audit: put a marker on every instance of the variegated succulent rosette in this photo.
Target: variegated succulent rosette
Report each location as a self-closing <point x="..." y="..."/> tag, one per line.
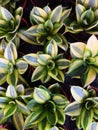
<point x="86" y="17"/>
<point x="45" y="106"/>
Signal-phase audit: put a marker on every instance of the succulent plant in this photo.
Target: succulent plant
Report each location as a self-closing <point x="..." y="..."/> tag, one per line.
<point x="13" y="105"/>
<point x="86" y="17"/>
<point x="85" y="107"/>
<point x="85" y="58"/>
<point x="46" y="24"/>
<point x="9" y="24"/>
<point x="10" y="66"/>
<point x="48" y="65"/>
<point x="46" y="108"/>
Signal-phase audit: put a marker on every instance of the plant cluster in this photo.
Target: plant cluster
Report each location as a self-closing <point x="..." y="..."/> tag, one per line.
<point x="46" y="106"/>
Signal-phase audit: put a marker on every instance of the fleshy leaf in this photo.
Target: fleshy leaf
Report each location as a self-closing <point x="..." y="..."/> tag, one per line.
<point x="21" y="66"/>
<point x="56" y="14"/>
<point x="18" y="120"/>
<point x="92" y="44"/>
<point x="22" y="107"/>
<point x="31" y="59"/>
<point x="86" y="117"/>
<point x="89" y="76"/>
<point x="4" y="64"/>
<point x="43" y="58"/>
<point x="73" y="109"/>
<point x="60" y="100"/>
<point x="37" y="74"/>
<point x="61" y="116"/>
<point x="11" y="92"/>
<point x="78" y="93"/>
<point x="77" y="49"/>
<point x="44" y="125"/>
<point x="41" y="95"/>
<point x="9" y="110"/>
<point x="52" y="48"/>
<point x="10" y="52"/>
<point x="62" y="63"/>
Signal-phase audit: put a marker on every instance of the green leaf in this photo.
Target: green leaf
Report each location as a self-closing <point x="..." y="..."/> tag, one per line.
<point x="11" y="92"/>
<point x="48" y="25"/>
<point x="41" y="31"/>
<point x="13" y="78"/>
<point x="52" y="117"/>
<point x="77" y="49"/>
<point x="75" y="65"/>
<point x="37" y="74"/>
<point x="18" y="120"/>
<point x="2" y="117"/>
<point x="32" y="118"/>
<point x="54" y="88"/>
<point x="88" y="77"/>
<point x="65" y="14"/>
<point x="43" y="58"/>
<point x="96" y="113"/>
<point x="31" y="59"/>
<point x="11" y="52"/>
<point x="79" y="10"/>
<point x="5" y="14"/>
<point x="52" y="48"/>
<point x="45" y="78"/>
<point x="44" y="125"/>
<point x="59" y="76"/>
<point x="73" y="109"/>
<point x="41" y="95"/>
<point x="36" y="19"/>
<point x="24" y="35"/>
<point x="3" y="102"/>
<point x="64" y="44"/>
<point x="78" y="122"/>
<point x="33" y="105"/>
<point x="3" y="78"/>
<point x="21" y="66"/>
<point x="56" y="14"/>
<point x="4" y="64"/>
<point x="20" y="89"/>
<point x="85" y="19"/>
<point x="47" y="9"/>
<point x="60" y="100"/>
<point x="39" y="12"/>
<point x="62" y="63"/>
<point x="22" y="107"/>
<point x="33" y="31"/>
<point x="9" y="110"/>
<point x="86" y="117"/>
<point x="78" y="93"/>
<point x="61" y="116"/>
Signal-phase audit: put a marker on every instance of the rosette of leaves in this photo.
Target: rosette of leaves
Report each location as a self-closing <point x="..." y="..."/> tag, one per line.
<point x="48" y="65"/>
<point x="11" y="67"/>
<point x="13" y="105"/>
<point x="11" y="3"/>
<point x="86" y="17"/>
<point x="85" y="107"/>
<point x="9" y="24"/>
<point x="85" y="58"/>
<point x="47" y="24"/>
<point x="47" y="108"/>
